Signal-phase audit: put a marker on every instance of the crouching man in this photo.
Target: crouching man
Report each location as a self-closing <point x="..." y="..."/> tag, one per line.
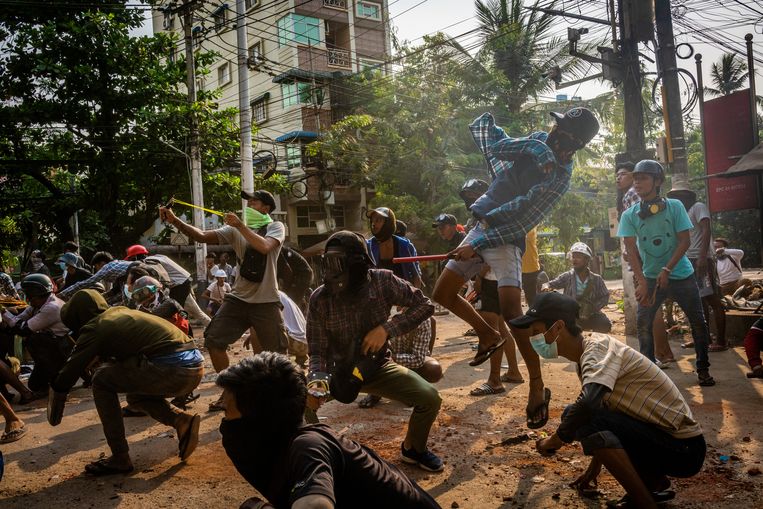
<point x="348" y="326"/>
<point x="629" y="415"/>
<point x="144" y="356"/>
<point x="295" y="465"/>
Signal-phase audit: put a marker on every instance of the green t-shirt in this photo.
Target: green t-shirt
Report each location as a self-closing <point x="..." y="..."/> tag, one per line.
<point x="657" y="238"/>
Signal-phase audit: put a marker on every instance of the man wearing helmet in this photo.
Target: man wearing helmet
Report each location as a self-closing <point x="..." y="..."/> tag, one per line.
<point x="348" y="327"/>
<point x="656" y="236"/>
<point x="587" y="288"/>
<point x="46" y="337"/>
<point x="530" y="175"/>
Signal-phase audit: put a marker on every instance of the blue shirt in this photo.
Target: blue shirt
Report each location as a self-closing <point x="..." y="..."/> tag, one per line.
<point x="657" y="238"/>
<point x="402" y="248"/>
<point x="186" y="359"/>
<point x="528" y="182"/>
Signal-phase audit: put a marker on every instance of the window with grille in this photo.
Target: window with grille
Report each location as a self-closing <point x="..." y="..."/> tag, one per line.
<point x="223" y="74"/>
<point x="368" y="10"/>
<point x="307" y="215"/>
<point x="260" y="110"/>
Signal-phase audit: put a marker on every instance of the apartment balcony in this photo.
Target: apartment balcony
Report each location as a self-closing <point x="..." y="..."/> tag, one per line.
<point x="339" y="58"/>
<point x="335" y="4"/>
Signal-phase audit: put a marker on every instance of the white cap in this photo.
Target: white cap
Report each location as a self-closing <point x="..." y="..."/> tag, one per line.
<point x="582" y="248"/>
<point x="221" y="273"/>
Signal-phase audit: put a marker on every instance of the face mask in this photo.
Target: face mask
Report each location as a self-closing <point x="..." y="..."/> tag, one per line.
<point x="62" y="266"/>
<point x="542" y="348"/>
<point x="127" y="293"/>
<point x="256" y="219"/>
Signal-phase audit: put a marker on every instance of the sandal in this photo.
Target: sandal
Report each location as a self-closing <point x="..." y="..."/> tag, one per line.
<point x="505" y="378"/>
<point x="687" y="344"/>
<point x="13" y="435"/>
<point x="530" y="413"/>
<point x="102" y="467"/>
<point x="660" y="497"/>
<point x="757" y="372"/>
<point x="217" y="406"/>
<point x="369" y="401"/>
<point x="188" y="442"/>
<point x="704" y="378"/>
<point x="482" y="356"/>
<point x="486" y="390"/>
<point x="717" y="347"/>
<point x="183" y="401"/>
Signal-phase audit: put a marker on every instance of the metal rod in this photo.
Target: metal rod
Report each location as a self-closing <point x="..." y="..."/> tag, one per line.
<point x="701" y="101"/>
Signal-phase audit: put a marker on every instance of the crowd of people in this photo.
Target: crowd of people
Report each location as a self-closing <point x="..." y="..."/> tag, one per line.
<point x="124" y="326"/>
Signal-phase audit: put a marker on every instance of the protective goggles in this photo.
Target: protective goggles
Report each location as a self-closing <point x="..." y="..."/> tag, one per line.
<point x="568" y="140"/>
<point x="442" y="219"/>
<point x="333" y="263"/>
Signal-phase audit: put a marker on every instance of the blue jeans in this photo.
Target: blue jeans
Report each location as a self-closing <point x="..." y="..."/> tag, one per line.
<point x="685" y="293"/>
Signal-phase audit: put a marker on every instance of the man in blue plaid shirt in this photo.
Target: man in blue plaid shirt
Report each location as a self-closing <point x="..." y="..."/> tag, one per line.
<point x="530" y="175"/>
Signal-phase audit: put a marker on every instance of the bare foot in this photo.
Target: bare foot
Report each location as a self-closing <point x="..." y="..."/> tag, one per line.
<point x="512" y="378"/>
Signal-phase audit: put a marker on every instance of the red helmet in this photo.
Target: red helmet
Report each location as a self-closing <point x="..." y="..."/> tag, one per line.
<point x="134" y="251"/>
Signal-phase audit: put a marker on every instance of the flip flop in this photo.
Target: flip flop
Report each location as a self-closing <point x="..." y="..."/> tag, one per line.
<point x="183" y="401"/>
<point x="101" y="467"/>
<point x="486" y="390"/>
<point x="715" y="347"/>
<point x="13" y="435"/>
<point x="217" y="406"/>
<point x="188" y="442"/>
<point x="505" y="379"/>
<point x="484" y="355"/>
<point x="688" y="344"/>
<point x="530" y="413"/>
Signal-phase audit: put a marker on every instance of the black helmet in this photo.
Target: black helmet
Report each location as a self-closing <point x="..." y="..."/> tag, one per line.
<point x="474" y="187"/>
<point x="580" y="122"/>
<point x="37" y="285"/>
<point x="649" y="167"/>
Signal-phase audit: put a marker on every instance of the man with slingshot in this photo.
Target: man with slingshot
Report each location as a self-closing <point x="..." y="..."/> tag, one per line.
<point x="530" y="175"/>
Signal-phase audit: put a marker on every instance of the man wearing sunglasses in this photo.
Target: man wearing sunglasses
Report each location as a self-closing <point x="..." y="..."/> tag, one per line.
<point x="530" y="175"/>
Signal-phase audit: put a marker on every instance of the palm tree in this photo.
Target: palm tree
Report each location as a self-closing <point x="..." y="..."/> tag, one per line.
<point x="517" y="41"/>
<point x="728" y="75"/>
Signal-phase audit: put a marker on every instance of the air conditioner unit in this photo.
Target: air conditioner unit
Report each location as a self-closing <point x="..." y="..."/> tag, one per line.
<point x="168" y="23"/>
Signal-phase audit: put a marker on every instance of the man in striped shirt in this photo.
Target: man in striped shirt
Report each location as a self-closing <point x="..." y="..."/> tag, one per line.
<point x="530" y="175"/>
<point x="629" y="415"/>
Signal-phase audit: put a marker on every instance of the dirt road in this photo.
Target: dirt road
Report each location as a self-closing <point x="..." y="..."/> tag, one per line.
<point x="45" y="468"/>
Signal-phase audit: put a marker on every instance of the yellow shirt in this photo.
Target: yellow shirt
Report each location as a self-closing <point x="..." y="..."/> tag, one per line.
<point x="530" y="261"/>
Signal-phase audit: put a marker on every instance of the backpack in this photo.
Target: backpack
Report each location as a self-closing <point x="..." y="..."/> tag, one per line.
<point x="252" y="267"/>
<point x="155" y="270"/>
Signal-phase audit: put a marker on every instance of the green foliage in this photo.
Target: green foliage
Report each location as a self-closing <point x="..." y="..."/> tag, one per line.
<point x="78" y="87"/>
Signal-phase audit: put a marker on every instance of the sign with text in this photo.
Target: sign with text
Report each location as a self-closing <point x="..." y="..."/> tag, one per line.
<point x="728" y="136"/>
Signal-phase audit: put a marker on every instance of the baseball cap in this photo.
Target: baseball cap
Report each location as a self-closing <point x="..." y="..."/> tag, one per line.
<point x="444" y="219"/>
<point x="549" y="306"/>
<point x="68" y="259"/>
<point x="578" y="121"/>
<point x="382" y="211"/>
<point x="352" y="243"/>
<point x="262" y="195"/>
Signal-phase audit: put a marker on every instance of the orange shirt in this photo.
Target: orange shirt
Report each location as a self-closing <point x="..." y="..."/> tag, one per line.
<point x="530" y="260"/>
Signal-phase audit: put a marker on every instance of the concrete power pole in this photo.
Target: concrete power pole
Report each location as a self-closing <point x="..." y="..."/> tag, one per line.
<point x="193" y="142"/>
<point x="244" y="108"/>
<point x="668" y="69"/>
<point x="635" y="146"/>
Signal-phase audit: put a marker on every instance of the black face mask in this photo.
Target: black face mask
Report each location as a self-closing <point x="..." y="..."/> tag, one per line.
<point x="344" y="273"/>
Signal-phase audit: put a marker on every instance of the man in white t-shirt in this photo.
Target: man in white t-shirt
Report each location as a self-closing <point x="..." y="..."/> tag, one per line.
<point x="216" y="292"/>
<point x="253" y="300"/>
<point x="729" y="263"/>
<point x="700" y="254"/>
<point x="629" y="416"/>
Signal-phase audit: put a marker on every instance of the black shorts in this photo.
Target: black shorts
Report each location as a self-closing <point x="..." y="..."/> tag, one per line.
<point x="489" y="297"/>
<point x="236" y="316"/>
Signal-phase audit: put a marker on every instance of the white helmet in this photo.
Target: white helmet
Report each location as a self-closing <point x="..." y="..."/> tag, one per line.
<point x="580" y="247"/>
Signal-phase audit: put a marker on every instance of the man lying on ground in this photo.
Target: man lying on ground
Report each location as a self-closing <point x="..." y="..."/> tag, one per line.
<point x="144" y="356"/>
<point x="629" y="415"/>
<point x="295" y="465"/>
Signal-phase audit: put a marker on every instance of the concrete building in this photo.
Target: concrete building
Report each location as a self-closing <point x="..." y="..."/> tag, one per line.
<point x="297" y="51"/>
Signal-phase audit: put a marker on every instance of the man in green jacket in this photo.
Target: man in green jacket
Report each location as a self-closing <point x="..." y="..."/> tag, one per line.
<point x="144" y="356"/>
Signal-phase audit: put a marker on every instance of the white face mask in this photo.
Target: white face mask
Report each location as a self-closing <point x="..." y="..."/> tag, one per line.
<point x="543" y="349"/>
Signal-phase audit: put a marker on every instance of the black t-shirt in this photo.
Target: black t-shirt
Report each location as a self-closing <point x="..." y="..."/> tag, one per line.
<point x="456" y="240"/>
<point x="318" y="462"/>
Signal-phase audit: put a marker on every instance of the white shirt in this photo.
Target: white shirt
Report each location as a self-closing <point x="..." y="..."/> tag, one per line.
<point x="217" y="292"/>
<point x="46" y="318"/>
<point x="727" y="271"/>
<point x="178" y="275"/>
<point x="697" y="213"/>
<point x="293" y="318"/>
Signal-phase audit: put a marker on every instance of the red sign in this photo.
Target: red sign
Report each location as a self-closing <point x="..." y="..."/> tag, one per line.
<point x="728" y="136"/>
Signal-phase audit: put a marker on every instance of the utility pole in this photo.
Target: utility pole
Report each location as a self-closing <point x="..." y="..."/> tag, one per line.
<point x="200" y="251"/>
<point x="244" y="108"/>
<point x="666" y="56"/>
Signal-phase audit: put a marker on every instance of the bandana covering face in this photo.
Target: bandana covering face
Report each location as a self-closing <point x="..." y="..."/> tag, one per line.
<point x="256" y="219"/>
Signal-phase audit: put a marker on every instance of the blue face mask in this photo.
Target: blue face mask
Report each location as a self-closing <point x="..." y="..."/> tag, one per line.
<point x="62" y="266"/>
<point x="542" y="348"/>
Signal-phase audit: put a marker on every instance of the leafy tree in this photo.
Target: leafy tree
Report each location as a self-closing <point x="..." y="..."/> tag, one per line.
<point x="112" y="110"/>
